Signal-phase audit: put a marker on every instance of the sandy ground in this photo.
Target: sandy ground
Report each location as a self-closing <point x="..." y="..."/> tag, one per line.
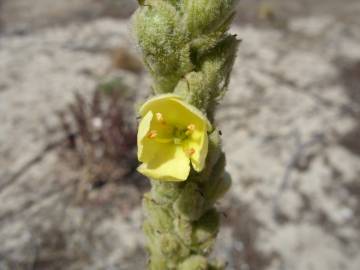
<point x="291" y="130"/>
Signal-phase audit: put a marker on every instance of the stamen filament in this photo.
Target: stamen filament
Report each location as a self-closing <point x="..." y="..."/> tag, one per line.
<point x="163" y="140"/>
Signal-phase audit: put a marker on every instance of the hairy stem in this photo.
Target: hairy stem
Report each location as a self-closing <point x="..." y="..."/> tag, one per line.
<point x="187" y="51"/>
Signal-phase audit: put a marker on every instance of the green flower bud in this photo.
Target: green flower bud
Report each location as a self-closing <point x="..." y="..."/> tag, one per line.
<point x="164" y="43"/>
<point x="214" y="154"/>
<point x="171" y="247"/>
<point x="165" y="192"/>
<point x="159" y="216"/>
<point x="204" y="16"/>
<point x="157" y="262"/>
<point x="183" y="228"/>
<point x="190" y="204"/>
<point x="206" y="229"/>
<point x="194" y="88"/>
<point x="217" y="187"/>
<point x="194" y="263"/>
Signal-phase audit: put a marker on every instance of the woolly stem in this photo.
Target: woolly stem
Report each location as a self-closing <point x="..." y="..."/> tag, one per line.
<point x="187" y="51"/>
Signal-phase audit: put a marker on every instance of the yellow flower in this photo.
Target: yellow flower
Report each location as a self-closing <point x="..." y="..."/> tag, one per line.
<point x="171" y="135"/>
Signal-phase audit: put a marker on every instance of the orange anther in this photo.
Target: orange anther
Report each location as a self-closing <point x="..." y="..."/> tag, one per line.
<point x="191" y="127"/>
<point x="160" y="118"/>
<point x="152" y="134"/>
<point x="191" y="151"/>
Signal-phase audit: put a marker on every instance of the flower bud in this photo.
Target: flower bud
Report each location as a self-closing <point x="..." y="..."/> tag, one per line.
<point x="196" y="262"/>
<point x="190" y="203"/>
<point x="204" y="16"/>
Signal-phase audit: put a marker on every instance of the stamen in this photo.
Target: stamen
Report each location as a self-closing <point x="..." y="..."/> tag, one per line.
<point x="190" y="129"/>
<point x="160" y="118"/>
<point x="152" y="134"/>
<point x="190" y="152"/>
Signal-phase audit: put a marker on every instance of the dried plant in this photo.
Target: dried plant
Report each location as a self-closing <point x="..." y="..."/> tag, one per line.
<point x="100" y="139"/>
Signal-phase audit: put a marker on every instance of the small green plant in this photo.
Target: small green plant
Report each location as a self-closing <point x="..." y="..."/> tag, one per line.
<point x="190" y="55"/>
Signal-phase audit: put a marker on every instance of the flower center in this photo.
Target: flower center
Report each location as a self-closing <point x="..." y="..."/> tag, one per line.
<point x="175" y="134"/>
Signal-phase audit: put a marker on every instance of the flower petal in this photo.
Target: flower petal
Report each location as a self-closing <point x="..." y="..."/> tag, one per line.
<point x="163" y="157"/>
<point x="199" y="143"/>
<point x="144" y="128"/>
<point x="171" y="164"/>
<point x="177" y="112"/>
